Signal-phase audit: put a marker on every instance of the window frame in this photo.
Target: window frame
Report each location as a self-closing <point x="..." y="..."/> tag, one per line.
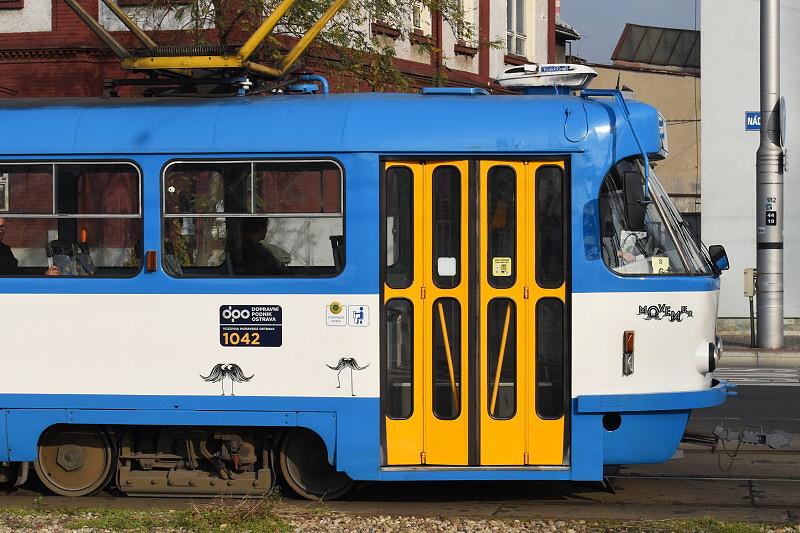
<point x="163" y="215"/>
<point x="670" y="230"/>
<point x="11" y="4"/>
<point x="514" y="320"/>
<point x="53" y="215"/>
<point x="384" y="219"/>
<point x="537" y="350"/>
<point x="5" y="196"/>
<point x="385" y="354"/>
<point x="512" y="25"/>
<point x="565" y="238"/>
<point x="493" y="280"/>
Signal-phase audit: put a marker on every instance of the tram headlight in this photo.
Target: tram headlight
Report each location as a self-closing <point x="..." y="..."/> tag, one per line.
<point x="708" y="355"/>
<point x="663" y="136"/>
<point x="714" y="353"/>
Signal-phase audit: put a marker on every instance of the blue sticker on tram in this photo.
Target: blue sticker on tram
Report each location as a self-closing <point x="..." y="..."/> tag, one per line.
<point x="248" y="326"/>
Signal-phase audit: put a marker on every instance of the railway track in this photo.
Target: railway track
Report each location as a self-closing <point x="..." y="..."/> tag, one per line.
<point x="757" y="486"/>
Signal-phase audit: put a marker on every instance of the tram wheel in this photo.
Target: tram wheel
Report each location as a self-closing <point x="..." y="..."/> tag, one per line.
<point x="305" y="468"/>
<point x="75" y="460"/>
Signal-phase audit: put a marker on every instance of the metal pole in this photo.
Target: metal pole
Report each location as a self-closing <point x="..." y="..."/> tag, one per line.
<point x="752" y="325"/>
<point x="769" y="186"/>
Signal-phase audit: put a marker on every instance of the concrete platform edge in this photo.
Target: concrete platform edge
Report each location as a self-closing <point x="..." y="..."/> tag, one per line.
<point x="759" y="359"/>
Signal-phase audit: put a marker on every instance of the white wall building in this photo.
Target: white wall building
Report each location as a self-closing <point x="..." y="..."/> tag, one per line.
<point x="730" y="67"/>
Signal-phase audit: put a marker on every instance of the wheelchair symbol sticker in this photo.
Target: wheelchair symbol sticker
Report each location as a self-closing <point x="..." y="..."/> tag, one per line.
<point x="358" y="315"/>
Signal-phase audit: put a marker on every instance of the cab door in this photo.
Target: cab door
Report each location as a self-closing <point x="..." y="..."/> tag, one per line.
<point x="474" y="351"/>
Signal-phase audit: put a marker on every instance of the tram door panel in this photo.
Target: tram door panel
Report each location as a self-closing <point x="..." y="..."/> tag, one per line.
<point x="425" y="293"/>
<point x="522" y="315"/>
<point x="463" y="301"/>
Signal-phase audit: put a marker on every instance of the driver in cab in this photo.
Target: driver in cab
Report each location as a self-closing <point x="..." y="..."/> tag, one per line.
<point x="9" y="265"/>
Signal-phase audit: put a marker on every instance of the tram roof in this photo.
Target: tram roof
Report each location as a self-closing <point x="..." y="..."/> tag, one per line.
<point x="363" y="122"/>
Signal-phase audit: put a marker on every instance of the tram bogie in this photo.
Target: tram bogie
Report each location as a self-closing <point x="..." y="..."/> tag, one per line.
<point x="80" y="460"/>
<point x="447" y="286"/>
<point x="207" y="461"/>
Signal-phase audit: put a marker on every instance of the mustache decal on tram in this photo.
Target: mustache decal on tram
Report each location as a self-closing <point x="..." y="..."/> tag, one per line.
<point x="346" y="362"/>
<point x="222" y="371"/>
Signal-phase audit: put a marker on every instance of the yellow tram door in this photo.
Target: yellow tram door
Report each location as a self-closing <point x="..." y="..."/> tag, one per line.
<point x="474" y="313"/>
<point x="522" y="313"/>
<point x="426" y="253"/>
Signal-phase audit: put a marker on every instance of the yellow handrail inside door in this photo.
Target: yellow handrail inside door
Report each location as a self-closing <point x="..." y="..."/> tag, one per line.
<point x="446" y="339"/>
<point x="500" y="357"/>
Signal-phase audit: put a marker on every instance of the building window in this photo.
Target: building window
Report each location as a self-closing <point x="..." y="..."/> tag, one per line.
<point x="416" y="16"/>
<point x="253" y="219"/>
<point x="462" y="25"/>
<point x="71" y="219"/>
<point x="515" y="27"/>
<point x="12" y="4"/>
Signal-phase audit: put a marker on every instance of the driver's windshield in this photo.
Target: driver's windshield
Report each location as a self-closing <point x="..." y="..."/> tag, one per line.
<point x="663" y="246"/>
<point x="695" y="255"/>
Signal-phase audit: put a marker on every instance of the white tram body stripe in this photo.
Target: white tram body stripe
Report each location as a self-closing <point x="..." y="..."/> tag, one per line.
<point x="669" y="356"/>
<point x="160" y="344"/>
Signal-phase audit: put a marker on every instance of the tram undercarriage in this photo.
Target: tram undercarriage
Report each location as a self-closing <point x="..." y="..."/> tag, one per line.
<point x="178" y="461"/>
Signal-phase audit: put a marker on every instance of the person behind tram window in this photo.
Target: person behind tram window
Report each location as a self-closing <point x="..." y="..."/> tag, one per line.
<point x="255" y="258"/>
<point x="9" y="266"/>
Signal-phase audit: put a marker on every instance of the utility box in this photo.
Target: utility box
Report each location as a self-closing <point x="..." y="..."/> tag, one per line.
<point x="750" y="275"/>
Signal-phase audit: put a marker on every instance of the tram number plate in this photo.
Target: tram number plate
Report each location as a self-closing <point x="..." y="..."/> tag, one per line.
<point x="255" y="326"/>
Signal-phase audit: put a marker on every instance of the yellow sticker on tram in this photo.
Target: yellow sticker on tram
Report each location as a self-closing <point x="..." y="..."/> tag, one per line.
<point x="501" y="267"/>
<point x="660" y="265"/>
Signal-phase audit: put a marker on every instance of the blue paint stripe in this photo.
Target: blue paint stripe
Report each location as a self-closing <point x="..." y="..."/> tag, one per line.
<point x="177" y="403"/>
<point x="350" y="426"/>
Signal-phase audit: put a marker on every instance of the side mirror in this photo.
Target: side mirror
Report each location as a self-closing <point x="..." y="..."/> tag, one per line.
<point x="635" y="202"/>
<point x="719" y="257"/>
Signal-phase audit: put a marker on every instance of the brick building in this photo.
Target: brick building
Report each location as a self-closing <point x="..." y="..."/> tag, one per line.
<point x="45" y="50"/>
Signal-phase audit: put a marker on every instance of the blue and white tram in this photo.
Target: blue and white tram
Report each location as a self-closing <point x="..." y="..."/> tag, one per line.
<point x="198" y="296"/>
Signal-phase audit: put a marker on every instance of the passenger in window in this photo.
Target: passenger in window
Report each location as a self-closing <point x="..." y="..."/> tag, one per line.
<point x="256" y="259"/>
<point x="9" y="265"/>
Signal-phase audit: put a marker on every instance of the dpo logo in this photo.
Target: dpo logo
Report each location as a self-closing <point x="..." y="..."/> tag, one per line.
<point x="234" y="314"/>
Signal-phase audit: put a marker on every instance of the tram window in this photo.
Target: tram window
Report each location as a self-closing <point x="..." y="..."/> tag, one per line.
<point x="399" y="212"/>
<point x="446" y="358"/>
<point x="253" y="219"/>
<point x="399" y="359"/>
<point x="550" y="358"/>
<point x="650" y="249"/>
<point x="30" y="188"/>
<point x="502" y="185"/>
<point x="446" y="227"/>
<point x="97" y="189"/>
<point x="207" y="188"/>
<point x="292" y="187"/>
<point x="71" y="219"/>
<point x="549" y="227"/>
<point x="502" y="358"/>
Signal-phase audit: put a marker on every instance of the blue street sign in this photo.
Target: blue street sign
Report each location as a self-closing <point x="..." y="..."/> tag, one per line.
<point x="752" y="121"/>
